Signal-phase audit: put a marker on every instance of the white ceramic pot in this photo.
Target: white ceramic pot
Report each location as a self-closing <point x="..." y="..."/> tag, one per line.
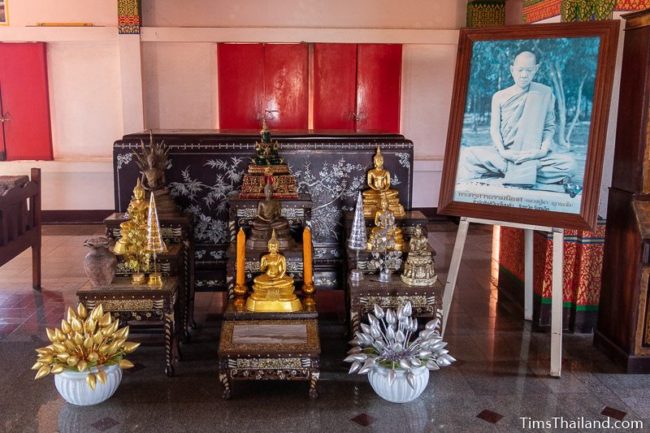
<point x="399" y="391"/>
<point x="73" y="387"/>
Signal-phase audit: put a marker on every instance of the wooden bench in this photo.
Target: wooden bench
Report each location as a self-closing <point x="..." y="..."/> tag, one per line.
<point x="20" y="220"/>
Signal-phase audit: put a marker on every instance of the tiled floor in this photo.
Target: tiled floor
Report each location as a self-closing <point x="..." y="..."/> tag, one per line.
<point x="499" y="380"/>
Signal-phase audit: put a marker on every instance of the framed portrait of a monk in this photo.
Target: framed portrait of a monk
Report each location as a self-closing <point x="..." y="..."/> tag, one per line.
<point x="528" y="123"/>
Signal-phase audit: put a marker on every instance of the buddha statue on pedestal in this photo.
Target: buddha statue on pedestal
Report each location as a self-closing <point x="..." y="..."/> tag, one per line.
<point x="152" y="160"/>
<point x="379" y="183"/>
<point x="267" y="163"/>
<point x="273" y="290"/>
<point x="269" y="219"/>
<point x="418" y="269"/>
<point x="385" y="228"/>
<point x="266" y="149"/>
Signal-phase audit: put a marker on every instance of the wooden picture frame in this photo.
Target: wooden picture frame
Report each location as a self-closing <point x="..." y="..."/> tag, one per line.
<point x="544" y="92"/>
<point x="4" y="13"/>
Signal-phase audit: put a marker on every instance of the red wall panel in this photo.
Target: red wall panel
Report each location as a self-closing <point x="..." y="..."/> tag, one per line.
<point x="335" y="86"/>
<point x="379" y="70"/>
<point x="241" y="85"/>
<point x="286" y="85"/>
<point x="24" y="92"/>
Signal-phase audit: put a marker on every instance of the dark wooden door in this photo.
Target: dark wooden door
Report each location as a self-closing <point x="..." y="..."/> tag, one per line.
<point x="25" y="101"/>
<point x="335" y="86"/>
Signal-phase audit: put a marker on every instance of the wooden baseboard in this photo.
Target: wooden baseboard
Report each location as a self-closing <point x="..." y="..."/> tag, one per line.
<point x="74" y="216"/>
<point x="631" y="363"/>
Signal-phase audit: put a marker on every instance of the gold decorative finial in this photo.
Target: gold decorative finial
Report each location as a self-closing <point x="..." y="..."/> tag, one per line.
<point x="273" y="240"/>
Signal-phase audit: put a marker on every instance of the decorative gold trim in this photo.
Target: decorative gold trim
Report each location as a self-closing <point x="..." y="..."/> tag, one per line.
<point x="129" y="305"/>
<point x="418" y="301"/>
<point x="267" y="363"/>
<point x="642" y="340"/>
<point x="635" y="20"/>
<point x="646" y="162"/>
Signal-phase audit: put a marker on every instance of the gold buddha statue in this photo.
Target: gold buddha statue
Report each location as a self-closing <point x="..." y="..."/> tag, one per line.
<point x="273" y="291"/>
<point x="379" y="183"/>
<point x="269" y="219"/>
<point x="385" y="228"/>
<point x="418" y="269"/>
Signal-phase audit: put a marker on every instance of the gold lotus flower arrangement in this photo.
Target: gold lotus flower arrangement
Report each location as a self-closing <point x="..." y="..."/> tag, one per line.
<point x="85" y="342"/>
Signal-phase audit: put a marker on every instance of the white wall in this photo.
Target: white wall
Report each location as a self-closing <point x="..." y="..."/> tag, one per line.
<point x="85" y="98"/>
<point x="359" y="14"/>
<point x="427" y="75"/>
<point x="32" y="12"/>
<point x="180" y="85"/>
<point x="610" y="141"/>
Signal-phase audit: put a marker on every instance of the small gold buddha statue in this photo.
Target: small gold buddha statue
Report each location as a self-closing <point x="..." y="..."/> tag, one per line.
<point x="385" y="228"/>
<point x="418" y="269"/>
<point x="273" y="291"/>
<point x="379" y="183"/>
<point x="268" y="219"/>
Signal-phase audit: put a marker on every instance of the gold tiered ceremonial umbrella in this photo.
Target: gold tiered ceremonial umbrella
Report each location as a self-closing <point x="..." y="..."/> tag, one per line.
<point x="155" y="243"/>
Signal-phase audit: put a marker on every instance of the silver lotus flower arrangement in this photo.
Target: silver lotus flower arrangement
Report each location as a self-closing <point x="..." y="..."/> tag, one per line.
<point x="386" y="263"/>
<point x="391" y="340"/>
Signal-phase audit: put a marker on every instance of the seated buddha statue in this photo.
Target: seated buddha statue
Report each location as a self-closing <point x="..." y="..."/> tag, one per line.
<point x="379" y="183"/>
<point x="152" y="160"/>
<point x="418" y="269"/>
<point x="273" y="290"/>
<point x="266" y="149"/>
<point x="269" y="219"/>
<point x="385" y="228"/>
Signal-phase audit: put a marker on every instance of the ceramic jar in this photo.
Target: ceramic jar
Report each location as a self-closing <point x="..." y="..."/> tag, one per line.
<point x="399" y="391"/>
<point x="73" y="387"/>
<point x="100" y="263"/>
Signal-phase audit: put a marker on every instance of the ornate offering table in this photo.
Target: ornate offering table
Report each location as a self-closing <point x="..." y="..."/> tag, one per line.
<point x="269" y="346"/>
<point x="140" y="305"/>
<point x="178" y="262"/>
<point x="362" y="295"/>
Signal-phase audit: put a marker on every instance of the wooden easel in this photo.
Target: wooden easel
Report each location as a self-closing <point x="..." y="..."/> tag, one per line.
<point x="556" y="292"/>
